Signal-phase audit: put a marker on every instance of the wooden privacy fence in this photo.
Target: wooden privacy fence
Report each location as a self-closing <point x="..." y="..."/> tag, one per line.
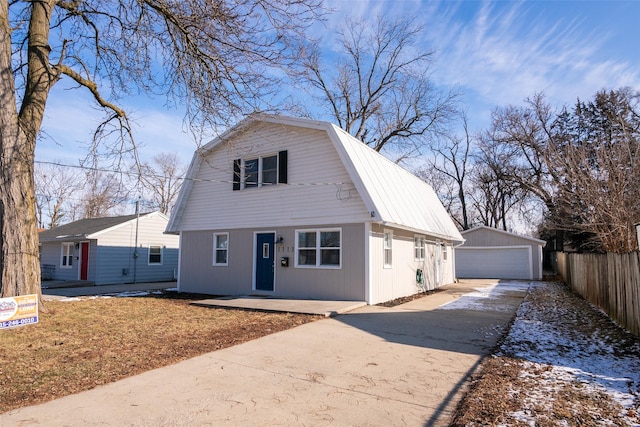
<point x="609" y="281"/>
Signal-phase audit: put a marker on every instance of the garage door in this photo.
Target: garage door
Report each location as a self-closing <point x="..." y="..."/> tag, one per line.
<point x="513" y="262"/>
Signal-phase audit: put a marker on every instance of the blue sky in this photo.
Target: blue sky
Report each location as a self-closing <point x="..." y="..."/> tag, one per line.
<point x="496" y="52"/>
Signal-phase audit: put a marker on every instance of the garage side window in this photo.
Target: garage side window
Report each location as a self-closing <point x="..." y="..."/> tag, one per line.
<point x="221" y="249"/>
<point x="445" y="252"/>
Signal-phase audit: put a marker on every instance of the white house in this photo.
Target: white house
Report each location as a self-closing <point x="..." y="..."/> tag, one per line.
<point x="298" y="208"/>
<point x="112" y="250"/>
<point x="491" y="253"/>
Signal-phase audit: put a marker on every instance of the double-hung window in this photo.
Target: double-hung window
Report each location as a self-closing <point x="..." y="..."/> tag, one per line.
<point x="221" y="249"/>
<point x="269" y="170"/>
<point x="319" y="248"/>
<point x="155" y="255"/>
<point x="419" y="248"/>
<point x="66" y="257"/>
<point x="388" y="247"/>
<point x="251" y="170"/>
<point x="260" y="171"/>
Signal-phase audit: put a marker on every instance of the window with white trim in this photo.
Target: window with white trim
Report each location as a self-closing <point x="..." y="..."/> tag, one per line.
<point x="221" y="249"/>
<point x="155" y="255"/>
<point x="319" y="248"/>
<point x="66" y="255"/>
<point x="388" y="248"/>
<point x="419" y="247"/>
<point x="445" y="252"/>
<point x="260" y="171"/>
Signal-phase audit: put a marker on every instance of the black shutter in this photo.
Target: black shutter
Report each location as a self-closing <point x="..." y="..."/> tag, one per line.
<point x="236" y="174"/>
<point x="282" y="167"/>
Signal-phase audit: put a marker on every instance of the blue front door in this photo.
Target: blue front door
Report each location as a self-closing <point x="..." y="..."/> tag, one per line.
<point x="264" y="261"/>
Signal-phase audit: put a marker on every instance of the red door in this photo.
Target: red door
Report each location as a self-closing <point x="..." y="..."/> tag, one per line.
<point x="84" y="260"/>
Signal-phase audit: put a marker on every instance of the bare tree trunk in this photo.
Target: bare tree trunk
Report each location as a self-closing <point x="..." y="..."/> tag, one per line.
<point x="212" y="54"/>
<point x="18" y="229"/>
<point x="19" y="265"/>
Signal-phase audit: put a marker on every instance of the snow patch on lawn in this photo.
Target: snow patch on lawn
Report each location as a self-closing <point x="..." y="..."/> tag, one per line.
<point x="564" y="350"/>
<point x="125" y="294"/>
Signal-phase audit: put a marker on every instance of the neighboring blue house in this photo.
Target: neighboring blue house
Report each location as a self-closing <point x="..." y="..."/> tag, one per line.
<point x="113" y="250"/>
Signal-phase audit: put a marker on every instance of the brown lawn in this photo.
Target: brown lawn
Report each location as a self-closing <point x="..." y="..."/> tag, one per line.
<point x="78" y="345"/>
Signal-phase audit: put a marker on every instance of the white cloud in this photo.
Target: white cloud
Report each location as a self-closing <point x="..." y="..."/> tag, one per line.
<point x="504" y="52"/>
<point x="498" y="52"/>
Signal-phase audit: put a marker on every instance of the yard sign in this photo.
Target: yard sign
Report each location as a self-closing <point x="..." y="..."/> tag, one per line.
<point x="18" y="311"/>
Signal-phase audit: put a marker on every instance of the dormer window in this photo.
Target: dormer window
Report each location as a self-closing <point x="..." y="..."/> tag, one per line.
<point x="261" y="171"/>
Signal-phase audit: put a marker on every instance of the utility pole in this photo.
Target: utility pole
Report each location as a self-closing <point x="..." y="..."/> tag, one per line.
<point x="135" y="251"/>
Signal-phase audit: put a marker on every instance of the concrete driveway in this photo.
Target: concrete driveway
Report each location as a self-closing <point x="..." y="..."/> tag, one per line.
<point x="405" y="365"/>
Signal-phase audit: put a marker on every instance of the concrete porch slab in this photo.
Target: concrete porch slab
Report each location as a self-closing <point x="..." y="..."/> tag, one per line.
<point x="303" y="306"/>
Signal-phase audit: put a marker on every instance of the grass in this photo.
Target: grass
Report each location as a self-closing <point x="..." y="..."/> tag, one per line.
<point x="81" y="344"/>
<point x="563" y="363"/>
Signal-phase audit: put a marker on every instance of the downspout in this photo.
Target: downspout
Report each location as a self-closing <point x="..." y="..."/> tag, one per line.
<point x="453" y="259"/>
<point x="367" y="263"/>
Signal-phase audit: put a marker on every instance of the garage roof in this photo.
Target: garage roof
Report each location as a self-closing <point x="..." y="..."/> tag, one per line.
<point x="506" y="233"/>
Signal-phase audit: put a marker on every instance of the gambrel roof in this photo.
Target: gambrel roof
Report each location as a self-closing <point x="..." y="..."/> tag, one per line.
<point x="391" y="194"/>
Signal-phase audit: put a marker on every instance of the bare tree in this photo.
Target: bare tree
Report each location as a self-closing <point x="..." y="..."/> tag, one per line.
<point x="495" y="198"/>
<point x="582" y="164"/>
<point x="379" y="88"/>
<point x="103" y="194"/>
<point x="161" y="181"/>
<point x="517" y="146"/>
<point x="212" y="56"/>
<point x="598" y="154"/>
<point x="55" y="187"/>
<point x="452" y="160"/>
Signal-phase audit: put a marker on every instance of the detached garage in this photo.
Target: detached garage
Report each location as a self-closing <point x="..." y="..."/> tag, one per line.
<point x="491" y="253"/>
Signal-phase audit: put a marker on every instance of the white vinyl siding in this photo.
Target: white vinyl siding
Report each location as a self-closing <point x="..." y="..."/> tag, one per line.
<point x="400" y="281"/>
<point x="221" y="249"/>
<point x="318" y="248"/>
<point x="319" y="189"/>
